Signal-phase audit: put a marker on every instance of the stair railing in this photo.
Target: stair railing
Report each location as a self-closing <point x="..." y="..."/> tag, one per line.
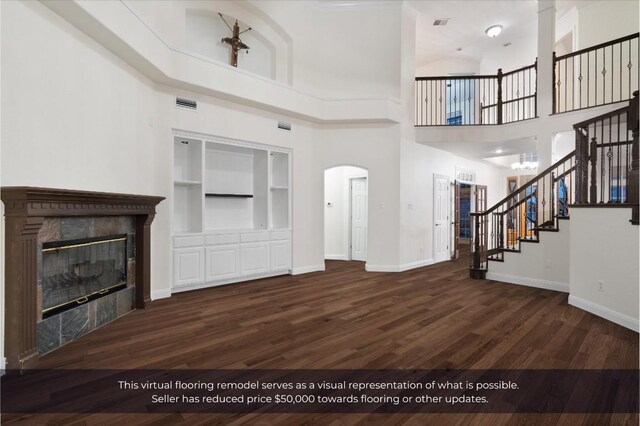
<point x="519" y="216"/>
<point x="603" y="170"/>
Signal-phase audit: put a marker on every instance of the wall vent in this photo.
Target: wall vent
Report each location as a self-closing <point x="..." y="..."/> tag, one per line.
<point x="441" y="21"/>
<point x="284" y="125"/>
<point x="186" y="103"/>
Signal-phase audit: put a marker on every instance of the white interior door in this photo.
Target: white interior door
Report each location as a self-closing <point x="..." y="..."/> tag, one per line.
<point x="359" y="219"/>
<point x="441" y="235"/>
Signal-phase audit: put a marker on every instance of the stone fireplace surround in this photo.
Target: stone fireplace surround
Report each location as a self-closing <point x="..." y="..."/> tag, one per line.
<point x="35" y="215"/>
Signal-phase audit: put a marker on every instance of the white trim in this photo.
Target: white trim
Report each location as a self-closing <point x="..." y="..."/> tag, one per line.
<point x="335" y="257"/>
<point x="234" y="280"/>
<point x="160" y="294"/>
<point x="398" y="268"/>
<point x="307" y="269"/>
<point x="529" y="282"/>
<point x="205" y="137"/>
<point x="606" y="313"/>
<point x="3" y="365"/>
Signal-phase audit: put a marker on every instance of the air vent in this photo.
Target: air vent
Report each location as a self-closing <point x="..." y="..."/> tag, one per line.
<point x="507" y="44"/>
<point x="284" y="125"/>
<point x="441" y="21"/>
<point x="186" y="103"/>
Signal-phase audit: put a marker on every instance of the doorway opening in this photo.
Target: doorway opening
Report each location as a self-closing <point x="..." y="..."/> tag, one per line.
<point x="346" y="213"/>
<point x="468" y="197"/>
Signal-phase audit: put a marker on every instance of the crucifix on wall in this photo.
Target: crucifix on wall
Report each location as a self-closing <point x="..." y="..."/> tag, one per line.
<point x="234" y="41"/>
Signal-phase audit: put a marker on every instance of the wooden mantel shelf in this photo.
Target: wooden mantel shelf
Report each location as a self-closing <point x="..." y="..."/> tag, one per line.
<point x="25" y="211"/>
<point x="47" y="202"/>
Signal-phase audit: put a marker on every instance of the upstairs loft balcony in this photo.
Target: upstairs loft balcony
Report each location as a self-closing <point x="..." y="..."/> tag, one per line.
<point x="596" y="76"/>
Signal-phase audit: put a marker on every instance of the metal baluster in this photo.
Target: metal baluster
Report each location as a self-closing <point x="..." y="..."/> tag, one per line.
<point x="604" y="75"/>
<point x="580" y="81"/>
<point x="566" y="84"/>
<point x="602" y="163"/>
<point x="588" y="87"/>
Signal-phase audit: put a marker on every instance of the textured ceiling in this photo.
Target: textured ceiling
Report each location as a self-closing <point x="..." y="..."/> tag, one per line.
<point x="468" y="21"/>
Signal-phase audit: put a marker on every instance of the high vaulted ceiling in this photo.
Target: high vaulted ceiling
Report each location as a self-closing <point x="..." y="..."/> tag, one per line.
<point x="467" y="25"/>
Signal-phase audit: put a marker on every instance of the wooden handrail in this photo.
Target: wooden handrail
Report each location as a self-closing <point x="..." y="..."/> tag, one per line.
<point x="597" y="46"/>
<point x="456" y="77"/>
<point x="601" y="117"/>
<point x="530" y="183"/>
<point x="526" y="67"/>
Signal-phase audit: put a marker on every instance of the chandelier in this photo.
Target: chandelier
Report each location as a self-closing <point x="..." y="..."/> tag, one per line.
<point x="527" y="162"/>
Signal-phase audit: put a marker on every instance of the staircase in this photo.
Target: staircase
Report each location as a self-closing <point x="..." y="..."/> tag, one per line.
<point x="601" y="171"/>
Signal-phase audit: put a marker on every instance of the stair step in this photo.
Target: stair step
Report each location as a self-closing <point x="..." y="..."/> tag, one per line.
<point x="494" y="259"/>
<point x="546" y="229"/>
<point x="562" y="217"/>
<point x="524" y="240"/>
<point x="510" y="250"/>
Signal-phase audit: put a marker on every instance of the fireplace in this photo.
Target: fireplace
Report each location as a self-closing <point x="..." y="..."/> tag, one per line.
<point x="75" y="272"/>
<point x="75" y="260"/>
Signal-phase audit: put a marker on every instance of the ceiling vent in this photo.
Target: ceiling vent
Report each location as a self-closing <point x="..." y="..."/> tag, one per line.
<point x="186" y="103"/>
<point x="441" y="21"/>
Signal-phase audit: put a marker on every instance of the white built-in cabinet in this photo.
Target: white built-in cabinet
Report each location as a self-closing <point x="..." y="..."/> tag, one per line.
<point x="231" y="211"/>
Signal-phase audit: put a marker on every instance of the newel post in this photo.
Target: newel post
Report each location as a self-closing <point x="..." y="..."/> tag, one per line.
<point x="553" y="86"/>
<point x="535" y="98"/>
<point x="499" y="95"/>
<point x="593" y="158"/>
<point x="633" y="195"/>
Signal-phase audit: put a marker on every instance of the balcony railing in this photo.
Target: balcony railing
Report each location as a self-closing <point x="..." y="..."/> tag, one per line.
<point x="599" y="75"/>
<point x="478" y="99"/>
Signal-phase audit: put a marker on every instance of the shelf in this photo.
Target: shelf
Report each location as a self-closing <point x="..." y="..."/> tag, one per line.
<point x="187" y="182"/>
<point x="229" y="195"/>
<point x="274" y="188"/>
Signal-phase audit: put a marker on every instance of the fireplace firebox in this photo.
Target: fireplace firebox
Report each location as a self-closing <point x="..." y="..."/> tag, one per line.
<point x="78" y="271"/>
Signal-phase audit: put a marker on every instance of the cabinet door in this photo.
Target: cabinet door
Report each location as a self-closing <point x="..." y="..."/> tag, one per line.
<point x="254" y="258"/>
<point x="188" y="266"/>
<point x="280" y="255"/>
<point x="223" y="262"/>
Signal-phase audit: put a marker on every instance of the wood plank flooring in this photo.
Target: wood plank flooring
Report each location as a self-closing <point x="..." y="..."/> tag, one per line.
<point x="427" y="318"/>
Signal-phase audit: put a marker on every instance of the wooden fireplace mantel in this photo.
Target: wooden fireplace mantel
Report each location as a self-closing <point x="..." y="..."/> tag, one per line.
<point x="25" y="211"/>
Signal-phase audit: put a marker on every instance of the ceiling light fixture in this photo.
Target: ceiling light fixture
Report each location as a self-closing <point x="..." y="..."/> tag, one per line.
<point x="498" y="151"/>
<point x="494" y="31"/>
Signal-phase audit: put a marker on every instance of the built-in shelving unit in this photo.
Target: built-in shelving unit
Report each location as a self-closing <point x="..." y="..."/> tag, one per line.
<point x="187" y="185"/>
<point x="232" y="210"/>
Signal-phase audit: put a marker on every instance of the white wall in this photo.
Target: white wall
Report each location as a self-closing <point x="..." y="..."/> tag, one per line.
<point x="336" y="210"/>
<point x="563" y="144"/>
<point x="602" y="21"/>
<point x="448" y="66"/>
<point x="604" y="247"/>
<point x="543" y="265"/>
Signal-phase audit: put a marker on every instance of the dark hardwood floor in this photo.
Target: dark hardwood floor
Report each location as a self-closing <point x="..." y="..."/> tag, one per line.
<point x="432" y="317"/>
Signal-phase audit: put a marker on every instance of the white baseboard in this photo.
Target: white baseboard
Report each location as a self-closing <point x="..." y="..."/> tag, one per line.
<point x="335" y="257"/>
<point x="530" y="282"/>
<point x="606" y="313"/>
<point x="239" y="279"/>
<point x="306" y="269"/>
<point x="398" y="268"/>
<point x="160" y="294"/>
